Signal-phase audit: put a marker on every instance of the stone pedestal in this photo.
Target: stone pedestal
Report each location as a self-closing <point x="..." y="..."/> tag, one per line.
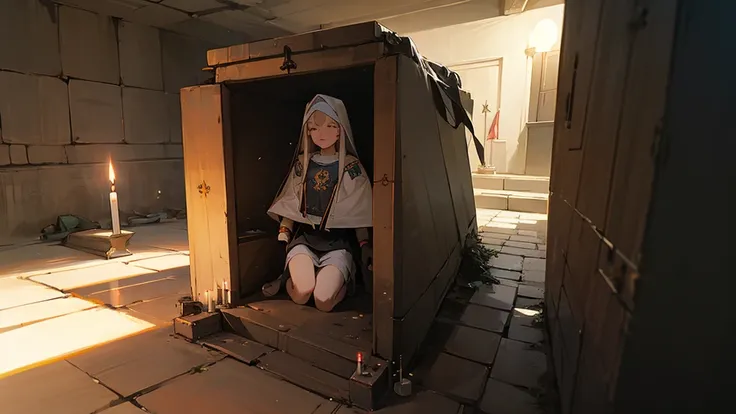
<point x="101" y="243"/>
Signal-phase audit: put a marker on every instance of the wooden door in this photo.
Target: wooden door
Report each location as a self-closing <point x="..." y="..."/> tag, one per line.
<point x="210" y="211"/>
<point x="483" y="80"/>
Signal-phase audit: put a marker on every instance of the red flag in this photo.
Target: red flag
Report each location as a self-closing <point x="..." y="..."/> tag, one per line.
<point x="493" y="132"/>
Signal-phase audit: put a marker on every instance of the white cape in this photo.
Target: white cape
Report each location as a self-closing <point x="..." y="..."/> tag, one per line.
<point x="352" y="206"/>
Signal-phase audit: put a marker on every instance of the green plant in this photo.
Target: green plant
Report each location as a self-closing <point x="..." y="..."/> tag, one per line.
<point x="475" y="265"/>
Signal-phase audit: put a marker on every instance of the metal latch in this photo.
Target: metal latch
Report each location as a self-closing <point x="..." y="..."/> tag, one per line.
<point x="289" y="63"/>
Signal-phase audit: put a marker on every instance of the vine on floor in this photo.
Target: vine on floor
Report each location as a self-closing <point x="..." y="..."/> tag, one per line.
<point x="475" y="267"/>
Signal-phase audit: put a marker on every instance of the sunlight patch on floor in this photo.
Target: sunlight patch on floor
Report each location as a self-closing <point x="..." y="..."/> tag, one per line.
<point x="23" y="315"/>
<point x="17" y="292"/>
<point x="73" y="279"/>
<point x="162" y="263"/>
<point x="43" y="341"/>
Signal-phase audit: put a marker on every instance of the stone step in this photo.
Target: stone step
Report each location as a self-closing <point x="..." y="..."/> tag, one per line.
<point x="527" y="202"/>
<point x="511" y="182"/>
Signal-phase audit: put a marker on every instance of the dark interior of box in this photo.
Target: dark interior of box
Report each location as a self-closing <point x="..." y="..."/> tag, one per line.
<point x="266" y="123"/>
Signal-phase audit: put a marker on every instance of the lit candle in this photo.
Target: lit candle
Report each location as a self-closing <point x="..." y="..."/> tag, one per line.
<point x="225" y="298"/>
<point x="210" y="301"/>
<point x="114" y="202"/>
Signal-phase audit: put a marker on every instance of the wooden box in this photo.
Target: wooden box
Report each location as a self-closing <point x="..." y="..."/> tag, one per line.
<point x="239" y="137"/>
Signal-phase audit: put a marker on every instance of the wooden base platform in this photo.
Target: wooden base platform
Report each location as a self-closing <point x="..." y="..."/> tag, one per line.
<point x="315" y="350"/>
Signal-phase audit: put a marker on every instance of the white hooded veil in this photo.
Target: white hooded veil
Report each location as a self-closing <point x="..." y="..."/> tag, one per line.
<point x="352" y="203"/>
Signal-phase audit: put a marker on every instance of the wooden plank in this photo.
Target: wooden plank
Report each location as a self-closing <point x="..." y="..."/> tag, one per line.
<point x="410" y="330"/>
<point x="245" y="351"/>
<point x="385" y="209"/>
<point x="603" y="114"/>
<point x="560" y="215"/>
<point x="455" y="154"/>
<point x="329" y="59"/>
<point x="583" y="66"/>
<point x="582" y="260"/>
<point x="352" y="35"/>
<point x="209" y="212"/>
<point x="643" y="112"/>
<point x="429" y="229"/>
<point x="306" y="376"/>
<point x="229" y="226"/>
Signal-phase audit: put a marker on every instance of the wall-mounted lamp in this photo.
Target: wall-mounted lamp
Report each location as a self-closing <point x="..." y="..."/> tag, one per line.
<point x="543" y="37"/>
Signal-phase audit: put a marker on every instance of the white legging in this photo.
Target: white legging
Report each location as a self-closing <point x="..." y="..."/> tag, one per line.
<point x="327" y="285"/>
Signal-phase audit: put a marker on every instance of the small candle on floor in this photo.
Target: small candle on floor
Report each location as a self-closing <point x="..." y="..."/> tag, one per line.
<point x="114" y="211"/>
<point x="208" y="301"/>
<point x="225" y="293"/>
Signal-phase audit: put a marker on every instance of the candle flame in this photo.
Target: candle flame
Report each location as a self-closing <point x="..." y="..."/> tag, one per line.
<point x="111" y="173"/>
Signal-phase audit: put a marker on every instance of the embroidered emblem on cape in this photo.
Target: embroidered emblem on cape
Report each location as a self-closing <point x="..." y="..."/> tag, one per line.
<point x="298" y="168"/>
<point x="321" y="179"/>
<point x="354" y="169"/>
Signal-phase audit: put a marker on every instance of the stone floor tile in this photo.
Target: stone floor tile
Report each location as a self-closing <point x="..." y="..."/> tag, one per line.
<point x="505" y="274"/>
<point x="528" y="233"/>
<point x="531" y="291"/>
<point x="533" y="263"/>
<point x="498" y="230"/>
<point x="41" y="258"/>
<point x="519" y="364"/>
<point x="495" y="296"/>
<point x="488" y="319"/>
<point x="125" y="408"/>
<point x="421" y="402"/>
<point x="501" y="398"/>
<point x="163" y="309"/>
<point x="510" y="220"/>
<point x="16" y="317"/>
<point x="533" y="216"/>
<point x="507" y="282"/>
<point x="507" y="262"/>
<point x="497" y="236"/>
<point x="509" y="213"/>
<point x="526" y="239"/>
<point x="521" y="245"/>
<point x="524" y="252"/>
<point x="525" y="303"/>
<point x="492" y="240"/>
<point x="522" y="327"/>
<point x="17" y="292"/>
<point x="496" y="247"/>
<point x="58" y="388"/>
<point x="498" y="226"/>
<point x="473" y="344"/>
<point x="536" y="276"/>
<point x="456" y="377"/>
<point x="133" y="364"/>
<point x="238" y="389"/>
<point x="542" y="247"/>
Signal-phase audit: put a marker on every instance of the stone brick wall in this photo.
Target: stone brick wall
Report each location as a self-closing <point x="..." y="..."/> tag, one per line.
<point x="79" y="88"/>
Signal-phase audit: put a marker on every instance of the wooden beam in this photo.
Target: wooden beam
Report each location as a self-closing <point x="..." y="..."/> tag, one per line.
<point x="514" y="6"/>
